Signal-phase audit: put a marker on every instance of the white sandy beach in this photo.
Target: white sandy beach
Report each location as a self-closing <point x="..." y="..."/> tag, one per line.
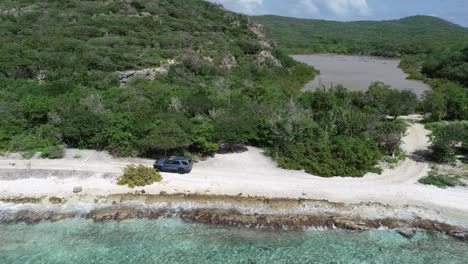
<point x="246" y="174"/>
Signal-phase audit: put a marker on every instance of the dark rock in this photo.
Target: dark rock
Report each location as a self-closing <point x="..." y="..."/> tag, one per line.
<point x="227" y="147"/>
<point x="463" y="235"/>
<point x="56" y="200"/>
<point x="407" y="232"/>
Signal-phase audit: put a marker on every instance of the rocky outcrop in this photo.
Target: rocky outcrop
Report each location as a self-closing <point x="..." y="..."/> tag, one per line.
<point x="40" y="76"/>
<point x="269" y="214"/>
<point x="258" y="30"/>
<point x="56" y="200"/>
<point x="233" y="217"/>
<point x="147" y="74"/>
<point x="228" y="62"/>
<point x="18" y="11"/>
<point x="265" y="57"/>
<point x="407" y="232"/>
<point x="265" y="44"/>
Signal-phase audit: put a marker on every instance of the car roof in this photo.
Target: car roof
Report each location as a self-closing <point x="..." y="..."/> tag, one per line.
<point x="182" y="158"/>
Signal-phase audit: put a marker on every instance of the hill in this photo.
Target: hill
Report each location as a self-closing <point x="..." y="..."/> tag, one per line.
<point x="411" y="35"/>
<point x="133" y="77"/>
<point x="162" y="77"/>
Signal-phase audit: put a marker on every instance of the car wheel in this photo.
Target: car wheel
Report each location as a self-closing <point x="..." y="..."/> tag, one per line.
<point x="181" y="171"/>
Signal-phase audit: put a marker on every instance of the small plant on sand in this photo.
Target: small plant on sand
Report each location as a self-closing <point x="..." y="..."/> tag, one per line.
<point x="138" y="175"/>
<point x="400" y="155"/>
<point x="442" y="181"/>
<point x="53" y="152"/>
<point x="28" y="154"/>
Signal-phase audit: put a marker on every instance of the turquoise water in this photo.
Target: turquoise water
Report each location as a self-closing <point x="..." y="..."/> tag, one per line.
<point x="173" y="241"/>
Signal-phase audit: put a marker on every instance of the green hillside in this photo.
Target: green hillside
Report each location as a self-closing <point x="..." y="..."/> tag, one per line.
<point x="59" y="79"/>
<point x="411" y="35"/>
<point x="161" y="77"/>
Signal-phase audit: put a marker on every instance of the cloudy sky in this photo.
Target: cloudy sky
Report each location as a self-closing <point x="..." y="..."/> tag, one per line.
<point x="346" y="10"/>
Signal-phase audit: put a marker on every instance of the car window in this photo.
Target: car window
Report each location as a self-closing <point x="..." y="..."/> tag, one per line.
<point x="184" y="163"/>
<point x="172" y="162"/>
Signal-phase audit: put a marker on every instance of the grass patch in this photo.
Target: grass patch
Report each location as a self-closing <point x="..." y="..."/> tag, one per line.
<point x="442" y="181"/>
<point x="400" y="155"/>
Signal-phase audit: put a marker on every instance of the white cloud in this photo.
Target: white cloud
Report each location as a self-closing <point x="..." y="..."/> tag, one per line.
<point x="300" y="8"/>
<point x="249" y="7"/>
<point x="340" y="8"/>
<point x="347" y="7"/>
<point x="305" y="7"/>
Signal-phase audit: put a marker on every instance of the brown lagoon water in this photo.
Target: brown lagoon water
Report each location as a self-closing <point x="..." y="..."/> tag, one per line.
<point x="358" y="72"/>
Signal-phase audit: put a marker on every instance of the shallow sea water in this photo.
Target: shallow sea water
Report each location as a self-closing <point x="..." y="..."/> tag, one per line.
<point x="175" y="241"/>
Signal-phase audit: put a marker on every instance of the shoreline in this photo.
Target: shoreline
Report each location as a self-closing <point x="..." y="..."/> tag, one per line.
<point x="278" y="215"/>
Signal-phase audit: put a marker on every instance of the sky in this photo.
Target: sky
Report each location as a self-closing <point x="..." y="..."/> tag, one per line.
<point x="349" y="10"/>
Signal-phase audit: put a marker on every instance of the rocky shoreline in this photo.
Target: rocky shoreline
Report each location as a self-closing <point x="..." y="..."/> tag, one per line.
<point x="277" y="215"/>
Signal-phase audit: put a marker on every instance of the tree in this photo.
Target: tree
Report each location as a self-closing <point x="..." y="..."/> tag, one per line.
<point x="401" y="103"/>
<point x="435" y="103"/>
<point x="118" y="133"/>
<point x="446" y="139"/>
<point x="390" y="101"/>
<point x="390" y="134"/>
<point x="233" y="128"/>
<point x="163" y="137"/>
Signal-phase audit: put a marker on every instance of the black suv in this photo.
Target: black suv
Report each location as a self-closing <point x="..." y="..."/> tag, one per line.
<point x="174" y="164"/>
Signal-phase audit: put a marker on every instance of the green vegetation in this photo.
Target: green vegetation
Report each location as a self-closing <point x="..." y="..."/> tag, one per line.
<point x="138" y="175"/>
<point x="400" y="155"/>
<point x="335" y="132"/>
<point x="441" y="181"/>
<point x="448" y="140"/>
<point x="392" y="38"/>
<point x="58" y="86"/>
<point x="446" y="101"/>
<point x="53" y="152"/>
<point x="448" y="64"/>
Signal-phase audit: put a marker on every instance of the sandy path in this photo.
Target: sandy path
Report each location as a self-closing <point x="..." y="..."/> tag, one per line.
<point x="249" y="173"/>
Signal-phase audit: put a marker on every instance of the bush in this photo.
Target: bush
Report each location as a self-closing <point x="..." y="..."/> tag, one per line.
<point x="53" y="152"/>
<point x="441" y="181"/>
<point x="138" y="175"/>
<point x="447" y="139"/>
<point x="400" y="155"/>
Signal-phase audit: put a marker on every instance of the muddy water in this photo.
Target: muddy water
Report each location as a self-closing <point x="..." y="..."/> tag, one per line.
<point x="358" y="72"/>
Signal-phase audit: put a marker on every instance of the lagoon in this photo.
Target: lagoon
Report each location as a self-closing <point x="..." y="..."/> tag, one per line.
<point x="358" y="72"/>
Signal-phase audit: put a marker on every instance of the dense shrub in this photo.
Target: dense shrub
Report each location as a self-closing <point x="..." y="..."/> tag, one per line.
<point x="53" y="152"/>
<point x="446" y="101"/>
<point x="449" y="139"/>
<point x="138" y="175"/>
